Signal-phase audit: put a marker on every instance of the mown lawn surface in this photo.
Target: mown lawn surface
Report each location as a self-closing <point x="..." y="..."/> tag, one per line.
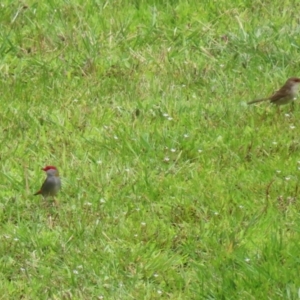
<point x="173" y="188"/>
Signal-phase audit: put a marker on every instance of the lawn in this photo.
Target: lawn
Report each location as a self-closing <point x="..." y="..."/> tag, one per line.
<point x="173" y="187"/>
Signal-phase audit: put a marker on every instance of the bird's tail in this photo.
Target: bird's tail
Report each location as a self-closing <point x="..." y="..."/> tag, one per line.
<point x="258" y="100"/>
<point x="37" y="193"/>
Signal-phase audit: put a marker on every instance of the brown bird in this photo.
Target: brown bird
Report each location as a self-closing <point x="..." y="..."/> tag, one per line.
<point x="284" y="95"/>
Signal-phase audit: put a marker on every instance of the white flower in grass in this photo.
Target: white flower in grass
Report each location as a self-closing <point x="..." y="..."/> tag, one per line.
<point x="100" y="297"/>
<point x="287" y="178"/>
<point x="22" y="269"/>
<point x="143" y="224"/>
<point x="292" y="127"/>
<point x="75" y="100"/>
<point x="287" y="115"/>
<point x="185" y="136"/>
<point x="115" y="137"/>
<point x="88" y="204"/>
<point x="75" y="272"/>
<point x="247" y="259"/>
<point x="216" y="213"/>
<point x="274" y="143"/>
<point x="135" y="235"/>
<point x="200" y="151"/>
<point x="241" y="206"/>
<point x="173" y="150"/>
<point x="99" y="162"/>
<point x="165" y="115"/>
<point x="155" y="275"/>
<point x="290" y="199"/>
<point x="102" y="200"/>
<point x="170" y="118"/>
<point x="166" y="159"/>
<point x="16" y="239"/>
<point x="159" y="292"/>
<point x="278" y="171"/>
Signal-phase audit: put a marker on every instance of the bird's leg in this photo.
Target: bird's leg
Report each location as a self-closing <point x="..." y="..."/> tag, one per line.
<point x="292" y="107"/>
<point x="55" y="202"/>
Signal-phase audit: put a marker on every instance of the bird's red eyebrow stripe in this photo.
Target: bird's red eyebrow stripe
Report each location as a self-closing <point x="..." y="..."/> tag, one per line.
<point x="49" y="168"/>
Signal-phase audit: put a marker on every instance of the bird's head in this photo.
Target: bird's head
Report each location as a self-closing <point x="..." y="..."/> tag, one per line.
<point x="51" y="170"/>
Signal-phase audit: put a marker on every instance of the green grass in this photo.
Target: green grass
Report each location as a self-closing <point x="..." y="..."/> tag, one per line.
<point x="173" y="188"/>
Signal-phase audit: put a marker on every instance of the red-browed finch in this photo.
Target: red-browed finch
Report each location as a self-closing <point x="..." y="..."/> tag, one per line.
<point x="52" y="184"/>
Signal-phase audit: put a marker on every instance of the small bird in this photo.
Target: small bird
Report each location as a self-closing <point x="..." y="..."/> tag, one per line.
<point x="285" y="94"/>
<point x="52" y="184"/>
